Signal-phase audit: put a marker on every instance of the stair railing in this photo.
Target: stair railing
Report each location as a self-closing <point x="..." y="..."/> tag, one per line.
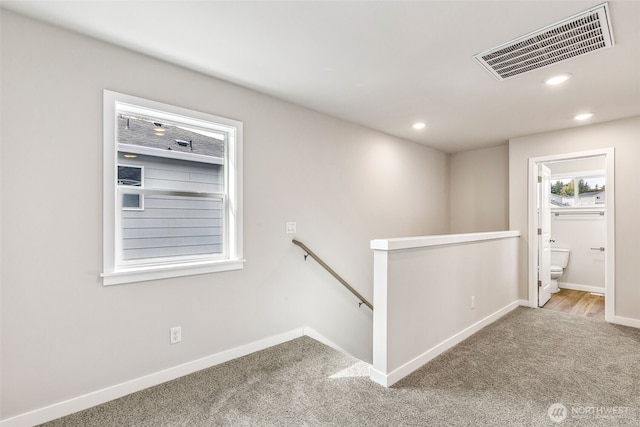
<point x="324" y="265"/>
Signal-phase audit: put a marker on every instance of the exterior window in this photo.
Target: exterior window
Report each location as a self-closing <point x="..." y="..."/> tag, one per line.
<point x="578" y="191"/>
<point x="131" y="175"/>
<point x="172" y="191"/>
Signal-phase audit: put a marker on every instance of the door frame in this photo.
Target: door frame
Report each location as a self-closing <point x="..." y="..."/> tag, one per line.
<point x="544" y="238"/>
<point x="532" y="182"/>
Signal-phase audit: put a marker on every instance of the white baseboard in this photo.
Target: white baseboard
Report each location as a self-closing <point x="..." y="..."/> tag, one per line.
<point x="379" y="377"/>
<point x="626" y="321"/>
<point x="89" y="400"/>
<point x="387" y="380"/>
<point x="523" y="303"/>
<point x="584" y="288"/>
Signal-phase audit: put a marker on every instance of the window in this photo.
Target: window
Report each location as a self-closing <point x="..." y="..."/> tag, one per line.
<point x="585" y="190"/>
<point x="172" y="191"/>
<point x="131" y="175"/>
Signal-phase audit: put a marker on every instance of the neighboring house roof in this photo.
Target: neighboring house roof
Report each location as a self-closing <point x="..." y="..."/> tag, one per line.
<point x="590" y="193"/>
<point x="142" y="132"/>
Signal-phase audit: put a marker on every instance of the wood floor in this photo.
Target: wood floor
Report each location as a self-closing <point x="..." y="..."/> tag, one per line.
<point x="577" y="302"/>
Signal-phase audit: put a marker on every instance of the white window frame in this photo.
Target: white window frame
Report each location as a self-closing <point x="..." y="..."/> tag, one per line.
<point x="114" y="271"/>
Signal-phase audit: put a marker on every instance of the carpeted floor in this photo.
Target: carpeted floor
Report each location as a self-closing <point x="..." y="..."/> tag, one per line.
<point x="508" y="374"/>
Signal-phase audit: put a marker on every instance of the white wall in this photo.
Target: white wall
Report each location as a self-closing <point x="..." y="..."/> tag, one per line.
<point x="64" y="335"/>
<point x="424" y="289"/>
<point x="479" y="190"/>
<point x="577" y="165"/>
<point x="623" y="136"/>
<point x="580" y="233"/>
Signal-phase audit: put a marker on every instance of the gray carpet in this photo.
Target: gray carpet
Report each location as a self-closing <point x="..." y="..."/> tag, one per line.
<point x="508" y="374"/>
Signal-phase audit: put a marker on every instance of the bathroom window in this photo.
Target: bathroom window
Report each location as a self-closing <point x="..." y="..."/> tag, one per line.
<point x="578" y="191"/>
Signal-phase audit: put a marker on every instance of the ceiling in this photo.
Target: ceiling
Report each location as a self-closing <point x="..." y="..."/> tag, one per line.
<point x="380" y="64"/>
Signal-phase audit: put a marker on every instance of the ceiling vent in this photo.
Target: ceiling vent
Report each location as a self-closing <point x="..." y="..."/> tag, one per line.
<point x="577" y="35"/>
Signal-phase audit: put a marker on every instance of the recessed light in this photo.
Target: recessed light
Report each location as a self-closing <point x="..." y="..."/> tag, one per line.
<point x="419" y="125"/>
<point x="158" y="129"/>
<point x="556" y="80"/>
<point x="583" y="116"/>
<point x="130" y="156"/>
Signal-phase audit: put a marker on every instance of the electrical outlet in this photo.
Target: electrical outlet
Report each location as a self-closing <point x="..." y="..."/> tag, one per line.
<point x="175" y="334"/>
<point x="473" y="302"/>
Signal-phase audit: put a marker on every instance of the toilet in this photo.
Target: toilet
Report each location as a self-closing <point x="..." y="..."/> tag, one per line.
<point x="559" y="261"/>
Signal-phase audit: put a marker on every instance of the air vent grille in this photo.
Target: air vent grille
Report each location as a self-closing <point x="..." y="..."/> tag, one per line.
<point x="578" y="35"/>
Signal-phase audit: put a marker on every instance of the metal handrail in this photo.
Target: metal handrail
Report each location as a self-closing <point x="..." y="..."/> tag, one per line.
<point x="309" y="252"/>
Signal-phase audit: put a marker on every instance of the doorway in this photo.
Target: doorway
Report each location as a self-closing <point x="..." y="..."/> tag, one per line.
<point x="568" y="206"/>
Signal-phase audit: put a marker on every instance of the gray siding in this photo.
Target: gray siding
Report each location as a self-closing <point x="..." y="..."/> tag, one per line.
<point x="173" y="225"/>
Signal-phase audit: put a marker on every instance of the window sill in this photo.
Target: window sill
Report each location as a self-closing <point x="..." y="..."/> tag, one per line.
<point x="142" y="274"/>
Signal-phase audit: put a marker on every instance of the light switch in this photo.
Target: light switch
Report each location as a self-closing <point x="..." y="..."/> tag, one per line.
<point x="291" y="227"/>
